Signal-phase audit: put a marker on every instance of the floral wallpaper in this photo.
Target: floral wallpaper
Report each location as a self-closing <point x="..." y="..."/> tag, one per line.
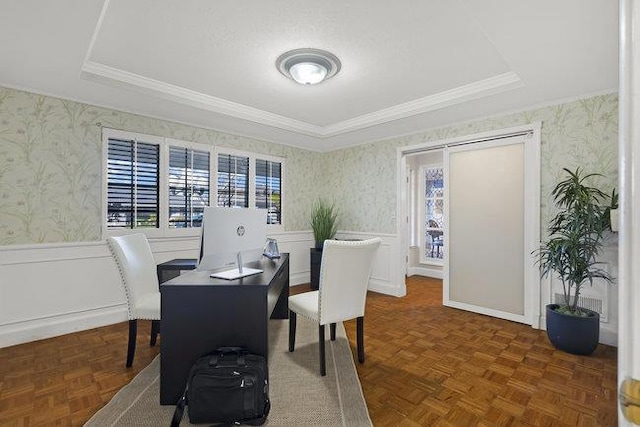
<point x="51" y="162"/>
<point x="579" y="133"/>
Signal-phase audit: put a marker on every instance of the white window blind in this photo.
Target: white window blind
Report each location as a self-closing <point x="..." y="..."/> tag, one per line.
<point x="189" y="192"/>
<point x="132" y="184"/>
<point x="268" y="189"/>
<point x="233" y="181"/>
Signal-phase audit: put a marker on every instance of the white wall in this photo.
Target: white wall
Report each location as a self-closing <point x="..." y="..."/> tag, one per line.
<point x="53" y="289"/>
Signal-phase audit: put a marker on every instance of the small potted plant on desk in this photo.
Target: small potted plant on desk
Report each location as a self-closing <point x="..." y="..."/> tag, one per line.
<point x="575" y="240"/>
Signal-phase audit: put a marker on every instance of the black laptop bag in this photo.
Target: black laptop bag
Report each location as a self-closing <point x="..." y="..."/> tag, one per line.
<point x="229" y="386"/>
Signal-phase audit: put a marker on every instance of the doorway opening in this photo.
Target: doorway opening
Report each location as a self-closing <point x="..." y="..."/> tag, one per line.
<point x="469" y="213"/>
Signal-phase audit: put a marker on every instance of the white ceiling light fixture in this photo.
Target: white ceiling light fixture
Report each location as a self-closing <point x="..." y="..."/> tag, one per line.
<point x="308" y="66"/>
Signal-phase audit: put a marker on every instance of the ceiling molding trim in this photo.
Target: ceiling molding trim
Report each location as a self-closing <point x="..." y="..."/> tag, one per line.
<point x="101" y="73"/>
<point x="104" y="74"/>
<point x="479" y="89"/>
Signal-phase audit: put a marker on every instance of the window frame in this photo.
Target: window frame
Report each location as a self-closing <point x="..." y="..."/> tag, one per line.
<point x="107" y="134"/>
<point x="252" y="179"/>
<point x="164" y="191"/>
<point x="164" y="144"/>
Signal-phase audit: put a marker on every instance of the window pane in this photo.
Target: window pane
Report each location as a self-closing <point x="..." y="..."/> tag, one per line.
<point x="132" y="184"/>
<point x="146" y="179"/>
<point x="188" y="186"/>
<point x="434" y="213"/>
<point x="233" y="181"/>
<point x="268" y="189"/>
<point x="119" y="183"/>
<point x="434" y="178"/>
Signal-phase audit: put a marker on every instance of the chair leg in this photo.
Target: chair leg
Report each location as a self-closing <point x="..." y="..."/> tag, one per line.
<point x="323" y="366"/>
<point x="292" y="330"/>
<point x="360" y="339"/>
<point x="333" y="331"/>
<point x="131" y="349"/>
<point x="155" y="329"/>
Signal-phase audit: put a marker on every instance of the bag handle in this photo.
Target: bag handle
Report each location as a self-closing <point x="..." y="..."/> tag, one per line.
<point x="179" y="412"/>
<point x="223" y="351"/>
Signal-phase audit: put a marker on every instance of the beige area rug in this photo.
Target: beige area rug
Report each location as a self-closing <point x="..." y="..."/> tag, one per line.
<point x="299" y="395"/>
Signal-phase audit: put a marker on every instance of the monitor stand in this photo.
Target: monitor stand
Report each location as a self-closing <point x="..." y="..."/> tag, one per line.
<point x="236" y="273"/>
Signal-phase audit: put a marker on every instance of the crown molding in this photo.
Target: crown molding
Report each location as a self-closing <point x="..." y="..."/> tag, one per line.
<point x="104" y="74"/>
<point x="479" y="89"/>
<point x="109" y="75"/>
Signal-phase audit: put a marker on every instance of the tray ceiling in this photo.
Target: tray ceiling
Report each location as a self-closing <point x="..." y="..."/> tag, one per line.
<point x="406" y="65"/>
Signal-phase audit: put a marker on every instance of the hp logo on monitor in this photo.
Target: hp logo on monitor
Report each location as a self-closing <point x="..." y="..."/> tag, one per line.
<point x="240" y="230"/>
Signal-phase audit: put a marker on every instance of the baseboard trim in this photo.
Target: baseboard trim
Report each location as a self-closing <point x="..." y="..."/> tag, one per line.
<point x="608" y="337"/>
<point x="299" y="278"/>
<point x="424" y="271"/>
<point x="386" y="288"/>
<point x="52" y="326"/>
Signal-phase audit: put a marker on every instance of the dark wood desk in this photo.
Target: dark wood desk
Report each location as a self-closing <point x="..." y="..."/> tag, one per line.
<point x="200" y="314"/>
<point x="170" y="269"/>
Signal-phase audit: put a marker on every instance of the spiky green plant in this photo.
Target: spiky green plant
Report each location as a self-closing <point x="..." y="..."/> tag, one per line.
<point x="575" y="237"/>
<point x="324" y="222"/>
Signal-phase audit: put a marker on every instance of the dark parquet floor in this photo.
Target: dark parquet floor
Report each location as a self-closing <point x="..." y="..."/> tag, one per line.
<point x="427" y="365"/>
<point x="430" y="365"/>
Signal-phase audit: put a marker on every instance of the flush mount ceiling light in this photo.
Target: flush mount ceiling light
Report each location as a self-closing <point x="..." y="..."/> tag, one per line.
<point x="308" y="66"/>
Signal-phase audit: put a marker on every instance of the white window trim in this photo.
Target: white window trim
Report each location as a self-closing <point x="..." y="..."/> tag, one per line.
<point x="108" y="133"/>
<point x="163" y="229"/>
<point x="422" y="215"/>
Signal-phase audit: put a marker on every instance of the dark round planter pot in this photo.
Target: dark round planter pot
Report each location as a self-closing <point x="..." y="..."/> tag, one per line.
<point x="573" y="334"/>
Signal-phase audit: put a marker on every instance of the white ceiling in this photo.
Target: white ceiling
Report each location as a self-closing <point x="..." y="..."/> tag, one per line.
<point x="407" y="65"/>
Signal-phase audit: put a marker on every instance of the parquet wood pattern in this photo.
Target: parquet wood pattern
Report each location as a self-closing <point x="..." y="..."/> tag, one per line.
<point x="426" y="365"/>
<point x="430" y="365"/>
<point x="62" y="381"/>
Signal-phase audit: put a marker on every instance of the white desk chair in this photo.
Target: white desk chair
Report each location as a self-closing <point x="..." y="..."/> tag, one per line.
<point x="344" y="277"/>
<point x="137" y="268"/>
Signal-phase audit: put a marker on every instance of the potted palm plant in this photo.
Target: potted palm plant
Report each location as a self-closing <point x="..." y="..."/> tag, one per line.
<point x="324" y="223"/>
<point x="575" y="240"/>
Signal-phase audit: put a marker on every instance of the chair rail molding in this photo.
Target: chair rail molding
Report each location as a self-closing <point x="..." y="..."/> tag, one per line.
<point x="54" y="289"/>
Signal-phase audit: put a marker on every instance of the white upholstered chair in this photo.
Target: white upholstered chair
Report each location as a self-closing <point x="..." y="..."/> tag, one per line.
<point x="137" y="268"/>
<point x="344" y="277"/>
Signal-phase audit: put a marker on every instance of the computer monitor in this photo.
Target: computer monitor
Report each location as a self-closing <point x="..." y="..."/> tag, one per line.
<point x="231" y="237"/>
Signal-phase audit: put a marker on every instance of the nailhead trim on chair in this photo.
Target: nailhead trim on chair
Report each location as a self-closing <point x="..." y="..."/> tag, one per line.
<point x="130" y="300"/>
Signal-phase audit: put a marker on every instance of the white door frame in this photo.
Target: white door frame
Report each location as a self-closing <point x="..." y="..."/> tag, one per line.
<point x="629" y="209"/>
<point x="532" y="236"/>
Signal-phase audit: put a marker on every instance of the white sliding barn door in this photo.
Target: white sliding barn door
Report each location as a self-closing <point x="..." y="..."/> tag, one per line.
<point x="488" y="243"/>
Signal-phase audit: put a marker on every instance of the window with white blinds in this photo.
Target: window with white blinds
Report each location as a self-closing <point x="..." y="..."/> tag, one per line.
<point x="233" y="181"/>
<point x="132" y="184"/>
<point x="268" y="189"/>
<point x="160" y="186"/>
<point x="189" y="191"/>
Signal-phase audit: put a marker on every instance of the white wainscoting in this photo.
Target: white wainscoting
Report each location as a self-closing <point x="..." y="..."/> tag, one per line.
<point x="48" y="290"/>
<point x="387" y="276"/>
